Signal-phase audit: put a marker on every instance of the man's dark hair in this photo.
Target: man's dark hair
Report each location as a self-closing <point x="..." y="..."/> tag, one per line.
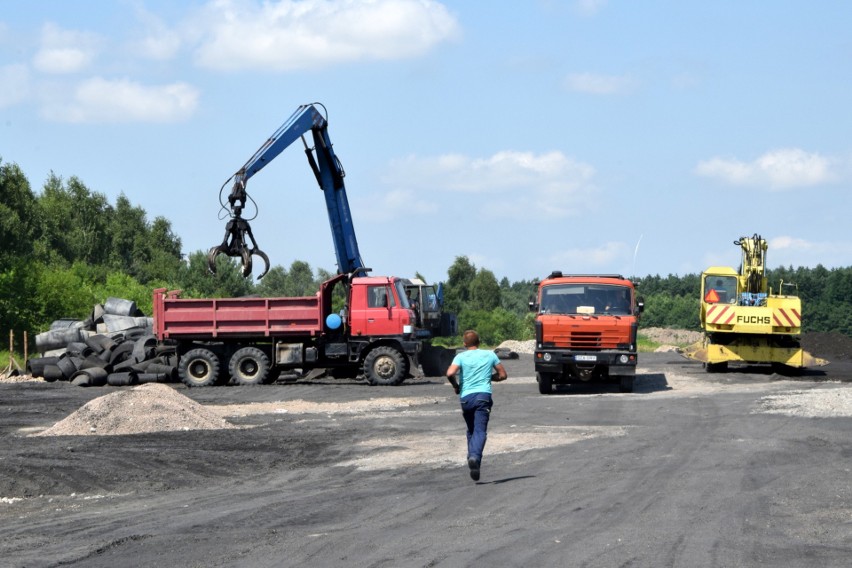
<point x="470" y="338"/>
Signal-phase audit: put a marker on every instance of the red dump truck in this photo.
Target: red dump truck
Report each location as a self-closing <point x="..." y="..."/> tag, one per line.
<point x="585" y="329"/>
<point x="252" y="340"/>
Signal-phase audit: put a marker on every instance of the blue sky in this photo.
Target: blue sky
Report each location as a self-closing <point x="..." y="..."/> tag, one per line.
<point x="581" y="135"/>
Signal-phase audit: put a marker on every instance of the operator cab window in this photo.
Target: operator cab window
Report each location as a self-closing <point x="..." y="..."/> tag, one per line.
<point x="720" y="289"/>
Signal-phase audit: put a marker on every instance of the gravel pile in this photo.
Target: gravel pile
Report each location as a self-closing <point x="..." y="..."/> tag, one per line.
<point x="527" y="347"/>
<point x="823" y="403"/>
<point x="142" y="409"/>
<point x="667" y="336"/>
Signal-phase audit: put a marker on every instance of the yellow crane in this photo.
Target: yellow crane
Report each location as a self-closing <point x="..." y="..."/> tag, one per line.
<point x="745" y="321"/>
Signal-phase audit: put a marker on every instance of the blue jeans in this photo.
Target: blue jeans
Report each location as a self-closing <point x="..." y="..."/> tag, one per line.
<point x="476" y="409"/>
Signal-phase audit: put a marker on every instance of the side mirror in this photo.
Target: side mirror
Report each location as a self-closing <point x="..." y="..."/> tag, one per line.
<point x="533" y="306"/>
<point x="640" y="305"/>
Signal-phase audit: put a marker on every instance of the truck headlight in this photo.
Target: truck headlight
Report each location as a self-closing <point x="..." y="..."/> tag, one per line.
<point x="407" y="329"/>
<point x="547" y="356"/>
<point x="622" y="359"/>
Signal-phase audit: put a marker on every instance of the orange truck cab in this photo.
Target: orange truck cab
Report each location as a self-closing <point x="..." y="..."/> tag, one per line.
<point x="585" y="329"/>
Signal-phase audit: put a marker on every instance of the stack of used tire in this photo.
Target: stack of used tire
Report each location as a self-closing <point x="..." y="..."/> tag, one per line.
<point x="114" y="346"/>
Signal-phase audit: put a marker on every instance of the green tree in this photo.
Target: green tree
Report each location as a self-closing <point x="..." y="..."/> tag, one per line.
<point x="274" y="284"/>
<point x="19" y="306"/>
<point x="62" y="293"/>
<point x="127" y="227"/>
<point x="75" y="222"/>
<point x="515" y="297"/>
<point x="457" y="289"/>
<point x="300" y="281"/>
<point x="197" y="282"/>
<point x="163" y="260"/>
<point x="121" y="285"/>
<point x="494" y="326"/>
<point x="19" y="223"/>
<point x="484" y="291"/>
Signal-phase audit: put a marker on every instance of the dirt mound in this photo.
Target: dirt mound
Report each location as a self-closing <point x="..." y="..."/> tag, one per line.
<point x="831" y="346"/>
<point x="151" y="407"/>
<point x="519" y="346"/>
<point x="667" y="336"/>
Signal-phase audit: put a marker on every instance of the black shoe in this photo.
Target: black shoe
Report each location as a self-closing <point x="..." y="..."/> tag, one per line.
<point x="473" y="464"/>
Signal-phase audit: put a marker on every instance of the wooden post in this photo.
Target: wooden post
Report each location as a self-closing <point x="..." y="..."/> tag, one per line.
<point x="13" y="365"/>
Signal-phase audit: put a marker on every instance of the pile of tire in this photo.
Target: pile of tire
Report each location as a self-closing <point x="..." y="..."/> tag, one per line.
<point x="113" y="346"/>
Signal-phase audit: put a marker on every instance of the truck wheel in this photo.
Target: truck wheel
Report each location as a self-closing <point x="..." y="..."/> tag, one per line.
<point x="249" y="366"/>
<point x="545" y="382"/>
<point x="626" y="383"/>
<point x="385" y="366"/>
<point x="199" y="368"/>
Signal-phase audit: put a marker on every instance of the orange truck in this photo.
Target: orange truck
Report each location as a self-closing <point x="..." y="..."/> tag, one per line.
<point x="585" y="329"/>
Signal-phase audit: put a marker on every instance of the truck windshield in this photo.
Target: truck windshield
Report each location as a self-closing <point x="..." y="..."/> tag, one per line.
<point x="585" y="299"/>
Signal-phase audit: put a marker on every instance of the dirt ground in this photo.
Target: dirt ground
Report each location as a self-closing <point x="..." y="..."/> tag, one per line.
<point x="692" y="469"/>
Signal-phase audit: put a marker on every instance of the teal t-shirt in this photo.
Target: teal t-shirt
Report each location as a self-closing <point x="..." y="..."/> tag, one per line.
<point x="475" y="368"/>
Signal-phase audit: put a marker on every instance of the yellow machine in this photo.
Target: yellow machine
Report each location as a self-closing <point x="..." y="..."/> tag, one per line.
<point x="744" y="321"/>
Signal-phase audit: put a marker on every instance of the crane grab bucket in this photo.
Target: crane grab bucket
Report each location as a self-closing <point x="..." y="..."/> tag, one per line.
<point x="234" y="245"/>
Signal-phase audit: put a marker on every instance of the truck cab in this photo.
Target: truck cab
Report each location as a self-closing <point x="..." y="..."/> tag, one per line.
<point x="585" y="329"/>
<point x="378" y="305"/>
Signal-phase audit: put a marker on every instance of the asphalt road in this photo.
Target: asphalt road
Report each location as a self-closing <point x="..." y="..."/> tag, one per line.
<point x="683" y="472"/>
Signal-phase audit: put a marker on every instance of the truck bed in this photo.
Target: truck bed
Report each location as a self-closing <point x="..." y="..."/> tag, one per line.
<point x="179" y="318"/>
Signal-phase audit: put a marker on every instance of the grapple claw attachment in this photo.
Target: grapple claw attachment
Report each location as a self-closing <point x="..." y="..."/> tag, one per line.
<point x="234" y="245"/>
<point x="262" y="255"/>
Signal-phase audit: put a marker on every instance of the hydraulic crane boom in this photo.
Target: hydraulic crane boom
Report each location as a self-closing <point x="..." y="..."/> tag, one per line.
<point x="329" y="175"/>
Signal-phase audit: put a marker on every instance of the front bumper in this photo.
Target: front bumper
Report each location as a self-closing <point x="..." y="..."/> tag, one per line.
<point x="581" y="363"/>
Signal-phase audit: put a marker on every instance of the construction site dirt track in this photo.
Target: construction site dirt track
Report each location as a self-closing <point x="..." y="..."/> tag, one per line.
<point x="731" y="469"/>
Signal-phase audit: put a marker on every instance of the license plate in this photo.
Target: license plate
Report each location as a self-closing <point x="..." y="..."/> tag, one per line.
<point x="586" y="358"/>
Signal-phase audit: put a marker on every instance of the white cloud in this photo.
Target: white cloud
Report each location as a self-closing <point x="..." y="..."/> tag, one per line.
<point x="393" y="204"/>
<point x="158" y="42"/>
<point x="786" y="250"/>
<point x="604" y="255"/>
<point x="778" y="169"/>
<point x="288" y="35"/>
<point x="791" y="243"/>
<point x="102" y="100"/>
<point x="508" y="182"/>
<point x="589" y="7"/>
<point x="64" y="51"/>
<point x="14" y="84"/>
<point x="593" y="84"/>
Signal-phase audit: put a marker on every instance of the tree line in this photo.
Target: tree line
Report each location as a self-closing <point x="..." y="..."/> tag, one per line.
<point x="67" y="248"/>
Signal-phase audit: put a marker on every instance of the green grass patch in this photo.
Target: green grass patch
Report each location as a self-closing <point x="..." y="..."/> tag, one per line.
<point x="645" y="345"/>
<point x="4" y="359"/>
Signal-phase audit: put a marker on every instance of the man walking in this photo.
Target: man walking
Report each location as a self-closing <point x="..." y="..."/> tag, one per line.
<point x="474" y="368"/>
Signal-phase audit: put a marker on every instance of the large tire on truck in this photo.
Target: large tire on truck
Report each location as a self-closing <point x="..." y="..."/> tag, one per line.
<point x="199" y="368"/>
<point x="385" y="366"/>
<point x="249" y="366"/>
<point x="545" y="382"/>
<point x="436" y="360"/>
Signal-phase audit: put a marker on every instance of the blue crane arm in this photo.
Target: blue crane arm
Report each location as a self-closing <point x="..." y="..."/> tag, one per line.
<point x="327" y="170"/>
